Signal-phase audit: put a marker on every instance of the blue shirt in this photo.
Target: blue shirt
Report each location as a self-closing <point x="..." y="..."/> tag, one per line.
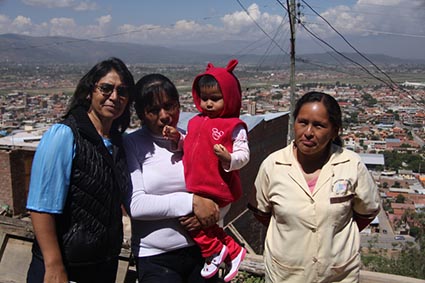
<point x="51" y="170"/>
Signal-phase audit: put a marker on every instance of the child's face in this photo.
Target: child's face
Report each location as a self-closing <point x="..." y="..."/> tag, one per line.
<point x="212" y="103"/>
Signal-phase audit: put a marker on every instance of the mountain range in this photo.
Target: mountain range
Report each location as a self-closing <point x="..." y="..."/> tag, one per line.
<point x="24" y="49"/>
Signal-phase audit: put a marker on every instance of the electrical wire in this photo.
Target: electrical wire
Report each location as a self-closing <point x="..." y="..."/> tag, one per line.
<point x="262" y="30"/>
<point x="346" y="57"/>
<point x="269" y="48"/>
<point x="349" y="44"/>
<point x="339" y="53"/>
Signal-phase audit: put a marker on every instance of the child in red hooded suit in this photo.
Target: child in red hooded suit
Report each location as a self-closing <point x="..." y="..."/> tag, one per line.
<point x="215" y="148"/>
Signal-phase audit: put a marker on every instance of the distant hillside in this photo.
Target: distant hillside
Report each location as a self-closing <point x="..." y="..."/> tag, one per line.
<point x="28" y="50"/>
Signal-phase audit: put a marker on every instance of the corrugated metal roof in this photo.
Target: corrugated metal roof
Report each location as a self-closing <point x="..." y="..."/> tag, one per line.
<point x="372" y="159"/>
<point x="23" y="139"/>
<point x="250" y="120"/>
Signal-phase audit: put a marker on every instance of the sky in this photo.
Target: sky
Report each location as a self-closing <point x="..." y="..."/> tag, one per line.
<point x="391" y="27"/>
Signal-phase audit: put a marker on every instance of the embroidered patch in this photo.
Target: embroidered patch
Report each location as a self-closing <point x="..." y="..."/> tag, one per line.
<point x="216" y="134"/>
<point x="341" y="187"/>
<point x="341" y="191"/>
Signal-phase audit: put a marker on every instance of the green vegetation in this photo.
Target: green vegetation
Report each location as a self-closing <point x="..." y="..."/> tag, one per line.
<point x="400" y="199"/>
<point x="395" y="160"/>
<point x="369" y="100"/>
<point x="246" y="277"/>
<point x="411" y="260"/>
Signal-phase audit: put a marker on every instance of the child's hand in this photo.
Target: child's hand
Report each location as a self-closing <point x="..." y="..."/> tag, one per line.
<point x="223" y="154"/>
<point x="171" y="133"/>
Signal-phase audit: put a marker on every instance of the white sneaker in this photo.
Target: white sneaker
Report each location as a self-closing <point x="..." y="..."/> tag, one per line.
<point x="213" y="262"/>
<point x="234" y="265"/>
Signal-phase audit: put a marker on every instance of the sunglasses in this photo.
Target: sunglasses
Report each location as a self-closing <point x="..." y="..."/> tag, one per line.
<point x="107" y="89"/>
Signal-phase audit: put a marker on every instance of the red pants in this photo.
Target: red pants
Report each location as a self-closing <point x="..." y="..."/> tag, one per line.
<point x="211" y="240"/>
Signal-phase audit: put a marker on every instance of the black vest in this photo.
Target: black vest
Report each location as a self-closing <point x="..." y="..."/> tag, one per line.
<point x="90" y="229"/>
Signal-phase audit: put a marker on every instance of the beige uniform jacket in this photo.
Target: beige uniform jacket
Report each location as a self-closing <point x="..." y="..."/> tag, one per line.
<point x="312" y="237"/>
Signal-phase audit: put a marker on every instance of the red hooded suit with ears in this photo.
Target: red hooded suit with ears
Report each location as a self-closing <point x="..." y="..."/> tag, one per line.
<point x="203" y="171"/>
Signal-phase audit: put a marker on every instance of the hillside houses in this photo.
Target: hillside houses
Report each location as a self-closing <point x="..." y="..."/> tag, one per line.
<point x="402" y="194"/>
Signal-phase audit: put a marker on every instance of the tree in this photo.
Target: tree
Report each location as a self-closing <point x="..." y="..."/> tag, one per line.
<point x="369" y="100"/>
<point x="396" y="116"/>
<point x="411" y="261"/>
<point x="400" y="199"/>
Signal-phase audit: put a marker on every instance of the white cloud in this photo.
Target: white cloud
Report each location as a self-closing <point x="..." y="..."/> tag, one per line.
<point x="50" y="3"/>
<point x="237" y="25"/>
<point x="372" y="16"/>
<point x="363" y="18"/>
<point x="21" y="21"/>
<point x="104" y="20"/>
<point x="379" y="2"/>
<point x="241" y="22"/>
<point x="23" y="25"/>
<point x="77" y="6"/>
<point x="85" y="6"/>
<point x="20" y="24"/>
<point x="62" y="27"/>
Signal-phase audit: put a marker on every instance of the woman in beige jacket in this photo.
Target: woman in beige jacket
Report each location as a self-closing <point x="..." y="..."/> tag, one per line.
<point x="315" y="196"/>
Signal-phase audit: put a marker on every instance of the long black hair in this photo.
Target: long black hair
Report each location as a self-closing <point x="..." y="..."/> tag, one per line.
<point x="83" y="92"/>
<point x="331" y="105"/>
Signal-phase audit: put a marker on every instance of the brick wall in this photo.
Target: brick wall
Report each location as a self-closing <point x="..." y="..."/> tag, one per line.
<point x="5" y="180"/>
<point x="15" y="168"/>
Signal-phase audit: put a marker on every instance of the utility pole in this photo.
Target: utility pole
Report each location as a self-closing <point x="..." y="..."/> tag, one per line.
<point x="292" y="20"/>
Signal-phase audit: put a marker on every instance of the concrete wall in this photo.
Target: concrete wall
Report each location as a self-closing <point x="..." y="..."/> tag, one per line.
<point x="265" y="138"/>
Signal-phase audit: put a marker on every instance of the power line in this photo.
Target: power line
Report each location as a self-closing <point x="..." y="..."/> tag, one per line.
<point x="394" y="33"/>
<point x="75" y="40"/>
<point x="349" y="44"/>
<point x="269" y="48"/>
<point x="255" y="22"/>
<point x="346" y="57"/>
<point x="339" y="53"/>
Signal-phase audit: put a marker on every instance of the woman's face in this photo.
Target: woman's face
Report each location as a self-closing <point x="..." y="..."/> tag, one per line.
<point x="313" y="130"/>
<point x="165" y="111"/>
<point x="109" y="97"/>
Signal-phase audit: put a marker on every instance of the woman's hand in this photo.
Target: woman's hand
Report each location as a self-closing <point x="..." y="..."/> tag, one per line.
<point x="190" y="222"/>
<point x="206" y="210"/>
<point x="45" y="232"/>
<point x="55" y="274"/>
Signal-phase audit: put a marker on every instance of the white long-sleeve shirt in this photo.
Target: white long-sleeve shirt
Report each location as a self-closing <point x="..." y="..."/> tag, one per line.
<point x="158" y="196"/>
<point x="240" y="154"/>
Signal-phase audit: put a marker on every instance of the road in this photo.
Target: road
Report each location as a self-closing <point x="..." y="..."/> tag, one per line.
<point x="416" y="138"/>
<point x="384" y="240"/>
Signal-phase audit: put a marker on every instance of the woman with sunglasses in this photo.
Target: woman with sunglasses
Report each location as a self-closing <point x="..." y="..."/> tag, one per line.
<point x="78" y="178"/>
